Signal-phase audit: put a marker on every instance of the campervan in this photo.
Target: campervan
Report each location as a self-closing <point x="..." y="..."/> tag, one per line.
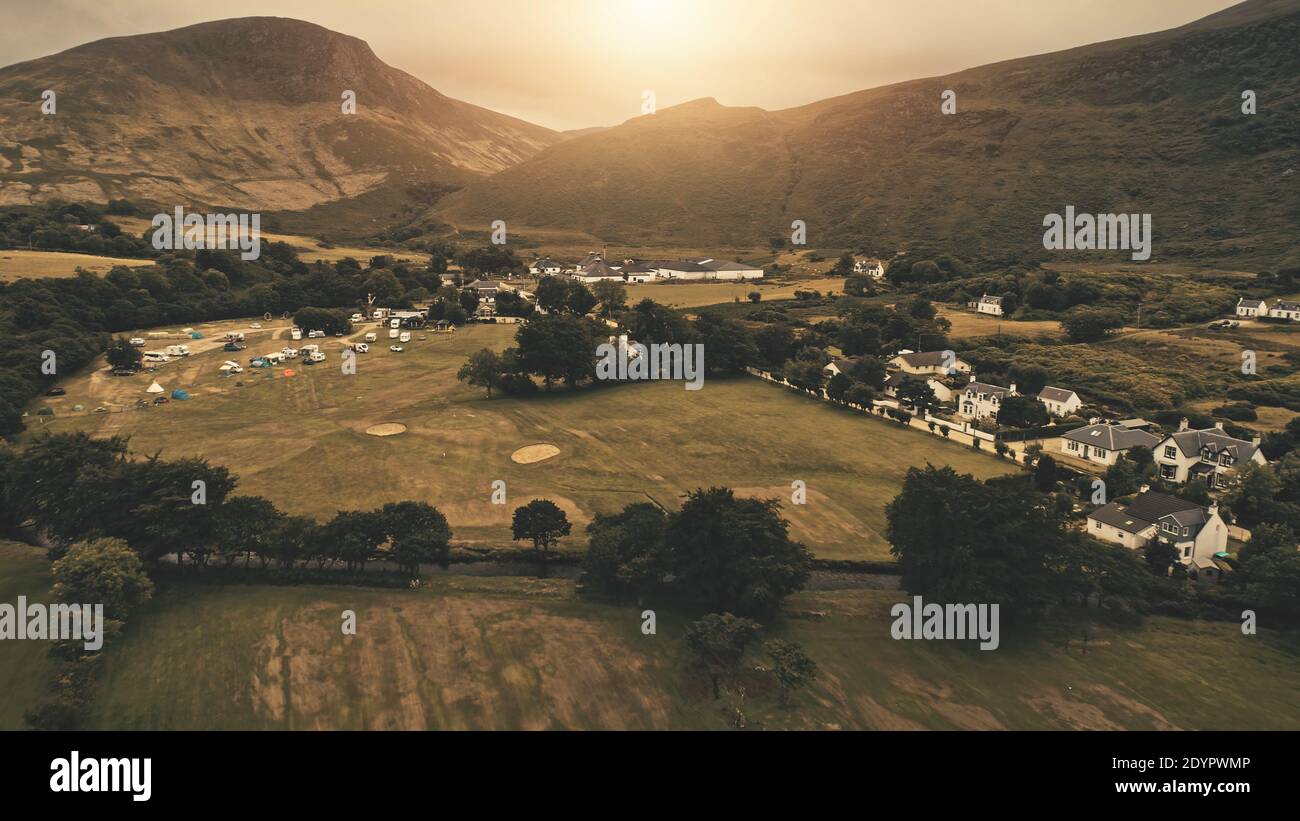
<point x="156" y="356"/>
<point x="235" y="336"/>
<point x="296" y="333"/>
<point x="273" y="358"/>
<point x="315" y="334"/>
<point x="357" y="317"/>
<point x="137" y="342"/>
<point x="289" y="353"/>
<point x="178" y="350"/>
<point x="405" y="337"/>
<point x="392" y="333"/>
<point x="395" y="323"/>
<point x="372" y="336"/>
<point x="308" y="350"/>
<point x="315" y="357"/>
<point x="360" y="347"/>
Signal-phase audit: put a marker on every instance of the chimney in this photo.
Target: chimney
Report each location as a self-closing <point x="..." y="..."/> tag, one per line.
<point x="1183" y="424"/>
<point x="1218" y="426"/>
<point x="1213" y="509"/>
<point x="1013" y="387"/>
<point x="1256" y="440"/>
<point x="972" y="376"/>
<point x="1144" y="488"/>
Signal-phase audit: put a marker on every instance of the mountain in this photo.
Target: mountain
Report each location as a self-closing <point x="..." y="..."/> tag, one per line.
<point x="1148" y="124"/>
<point x="243" y="112"/>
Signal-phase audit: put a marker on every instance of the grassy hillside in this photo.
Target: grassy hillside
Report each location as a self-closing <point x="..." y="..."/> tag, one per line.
<point x="25" y="669"/>
<point x="506" y="653"/>
<point x="244" y="112"/>
<point x="1148" y="124"/>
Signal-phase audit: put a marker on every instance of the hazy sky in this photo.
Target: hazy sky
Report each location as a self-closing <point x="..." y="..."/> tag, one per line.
<point x="577" y="63"/>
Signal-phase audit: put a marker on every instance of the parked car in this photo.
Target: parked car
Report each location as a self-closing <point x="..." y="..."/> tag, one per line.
<point x="137" y="342"/>
<point x="55" y="392"/>
<point x="361" y="347"/>
<point x="161" y="400"/>
<point x="256" y="326"/>
<point x="396" y="348"/>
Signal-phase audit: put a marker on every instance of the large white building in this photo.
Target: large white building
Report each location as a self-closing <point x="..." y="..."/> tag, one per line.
<point x="1252" y="307"/>
<point x="1285" y="310"/>
<point x="991" y="305"/>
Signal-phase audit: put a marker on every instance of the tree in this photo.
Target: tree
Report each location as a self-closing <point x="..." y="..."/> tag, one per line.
<point x="1160" y="555"/>
<point x="791" y="665"/>
<point x="717" y="644"/>
<point x="860" y="394"/>
<point x="483" y="370"/>
<point x="331" y="321"/>
<point x="920" y="308"/>
<point x="122" y="355"/>
<point x="625" y="549"/>
<point x="247" y="526"/>
<point x="354" y="536"/>
<point x="542" y="521"/>
<point x="612" y="297"/>
<point x="729" y="346"/>
<point x="838" y="387"/>
<point x="1046" y="474"/>
<point x="102" y="571"/>
<point x="916" y="394"/>
<point x="1090" y="324"/>
<point x="417" y="534"/>
<point x="961" y="540"/>
<point x="557" y="347"/>
<point x="732" y="553"/>
<point x="1021" y="412"/>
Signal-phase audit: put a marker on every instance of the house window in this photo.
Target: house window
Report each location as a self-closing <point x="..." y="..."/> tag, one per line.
<point x="1187" y="551"/>
<point x="1171" y="452"/>
<point x="1098" y="524"/>
<point x="1185" y="530"/>
<point x="1168" y="471"/>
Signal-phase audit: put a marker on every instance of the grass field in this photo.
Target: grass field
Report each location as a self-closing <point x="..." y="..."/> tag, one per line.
<point x="966" y="325"/>
<point x="17" y="264"/>
<point x="514" y="653"/>
<point x="301" y="440"/>
<point x="696" y="295"/>
<point x="25" y="667"/>
<point x="310" y="249"/>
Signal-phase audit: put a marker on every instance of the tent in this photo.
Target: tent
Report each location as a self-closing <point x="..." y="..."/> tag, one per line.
<point x="180" y="395"/>
<point x="290" y="372"/>
<point x="154" y="388"/>
<point x="78" y="407"/>
<point x="196" y="335"/>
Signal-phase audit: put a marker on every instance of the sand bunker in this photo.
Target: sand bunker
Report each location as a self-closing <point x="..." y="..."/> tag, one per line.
<point x="534" y="453"/>
<point x="386" y="429"/>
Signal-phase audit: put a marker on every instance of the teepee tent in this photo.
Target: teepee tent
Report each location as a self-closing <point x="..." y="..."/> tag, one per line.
<point x="155" y="388"/>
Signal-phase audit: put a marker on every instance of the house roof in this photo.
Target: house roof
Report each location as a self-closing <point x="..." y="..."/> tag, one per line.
<point x="1192" y="442"/>
<point x="1055" y="394"/>
<point x="1147" y="509"/>
<point x="1112" y="437"/>
<point x="843" y="365"/>
<point x="1250" y="303"/>
<point x="925" y="359"/>
<point x="1283" y="305"/>
<point x="991" y="300"/>
<point x="984" y="387"/>
<point x="480" y="284"/>
<point x="599" y="269"/>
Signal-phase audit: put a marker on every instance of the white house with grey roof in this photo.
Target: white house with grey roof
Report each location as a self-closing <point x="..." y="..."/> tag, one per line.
<point x="545" y="267"/>
<point x="1105" y="442"/>
<point x="1282" y="309"/>
<point x="980" y="400"/>
<point x="928" y="363"/>
<point x="1252" y="307"/>
<point x="1197" y="533"/>
<point x="1208" y="455"/>
<point x="942" y="392"/>
<point x="1059" y="402"/>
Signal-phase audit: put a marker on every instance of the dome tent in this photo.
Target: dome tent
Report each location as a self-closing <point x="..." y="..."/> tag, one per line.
<point x="180" y="395"/>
